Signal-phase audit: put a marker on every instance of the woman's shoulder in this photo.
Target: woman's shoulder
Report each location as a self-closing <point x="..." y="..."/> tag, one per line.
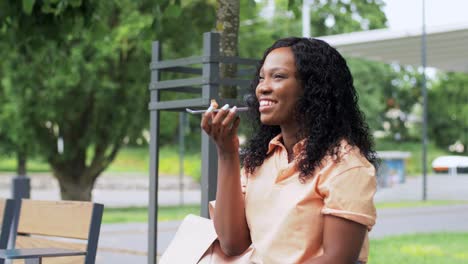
<point x="348" y="163"/>
<point x="348" y="157"/>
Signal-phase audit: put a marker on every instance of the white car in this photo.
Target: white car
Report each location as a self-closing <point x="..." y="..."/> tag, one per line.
<point x="456" y="164"/>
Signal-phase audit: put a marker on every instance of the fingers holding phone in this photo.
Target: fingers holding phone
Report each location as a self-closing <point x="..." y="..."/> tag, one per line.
<point x="222" y="127"/>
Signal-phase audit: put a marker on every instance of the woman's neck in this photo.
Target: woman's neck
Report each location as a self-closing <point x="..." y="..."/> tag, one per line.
<point x="290" y="138"/>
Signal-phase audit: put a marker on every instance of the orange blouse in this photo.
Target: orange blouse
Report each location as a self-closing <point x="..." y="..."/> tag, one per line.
<point x="285" y="216"/>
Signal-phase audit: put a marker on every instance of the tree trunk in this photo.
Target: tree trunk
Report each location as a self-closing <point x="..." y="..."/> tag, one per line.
<point x="21" y="163"/>
<point x="227" y="24"/>
<point x="76" y="190"/>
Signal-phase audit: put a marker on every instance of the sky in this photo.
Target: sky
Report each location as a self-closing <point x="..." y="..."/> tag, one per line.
<point x="407" y="14"/>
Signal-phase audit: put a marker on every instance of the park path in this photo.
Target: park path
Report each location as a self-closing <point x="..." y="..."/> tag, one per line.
<point x="131" y="189"/>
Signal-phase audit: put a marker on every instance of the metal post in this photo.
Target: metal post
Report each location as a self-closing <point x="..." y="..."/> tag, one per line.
<point x="306" y="18"/>
<point x="424" y="93"/>
<point x="210" y="90"/>
<point x="154" y="163"/>
<point x="21" y="187"/>
<point x="182" y="117"/>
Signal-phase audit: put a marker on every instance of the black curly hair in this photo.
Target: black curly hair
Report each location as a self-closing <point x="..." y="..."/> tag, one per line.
<point x="327" y="113"/>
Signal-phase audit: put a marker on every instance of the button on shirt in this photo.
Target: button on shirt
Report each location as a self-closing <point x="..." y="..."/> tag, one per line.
<point x="286" y="217"/>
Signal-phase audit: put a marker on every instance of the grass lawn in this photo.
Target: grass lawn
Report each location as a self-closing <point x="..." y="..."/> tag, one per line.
<point x="169" y="213"/>
<point x="128" y="160"/>
<point x="137" y="160"/>
<point x="140" y="214"/>
<point x="436" y="248"/>
<point x="8" y="164"/>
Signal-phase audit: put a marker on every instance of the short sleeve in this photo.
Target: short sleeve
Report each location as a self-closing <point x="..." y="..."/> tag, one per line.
<point x="350" y="195"/>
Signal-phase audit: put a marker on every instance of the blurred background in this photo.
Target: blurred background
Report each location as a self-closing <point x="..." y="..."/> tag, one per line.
<point x="74" y="119"/>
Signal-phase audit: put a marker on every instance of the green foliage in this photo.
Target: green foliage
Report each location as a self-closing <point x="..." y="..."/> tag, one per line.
<point x="140" y="214"/>
<point x="181" y="31"/>
<point x="77" y="70"/>
<point x="257" y="32"/>
<point x="72" y="71"/>
<point x="342" y="16"/>
<point x="370" y="80"/>
<point x="173" y="11"/>
<point x="79" y="82"/>
<point x="448" y="110"/>
<point x="401" y="99"/>
<point x="28" y="6"/>
<point x="420" y="249"/>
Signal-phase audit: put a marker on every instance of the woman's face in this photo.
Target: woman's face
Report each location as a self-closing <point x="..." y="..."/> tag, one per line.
<point x="278" y="89"/>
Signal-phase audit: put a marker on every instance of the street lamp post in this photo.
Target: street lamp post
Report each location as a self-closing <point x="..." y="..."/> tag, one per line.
<point x="306" y="18"/>
<point x="424" y="94"/>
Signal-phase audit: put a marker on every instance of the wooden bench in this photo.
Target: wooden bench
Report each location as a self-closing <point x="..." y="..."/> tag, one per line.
<point x="55" y="232"/>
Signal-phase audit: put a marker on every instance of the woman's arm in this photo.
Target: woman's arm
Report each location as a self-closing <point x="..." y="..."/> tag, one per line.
<point x="342" y="241"/>
<point x="229" y="217"/>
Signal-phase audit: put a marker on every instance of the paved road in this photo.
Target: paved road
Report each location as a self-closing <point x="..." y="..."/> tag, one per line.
<point x="401" y="221"/>
<point x="439" y="187"/>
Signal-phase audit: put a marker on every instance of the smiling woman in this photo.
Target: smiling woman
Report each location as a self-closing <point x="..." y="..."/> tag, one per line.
<point x="305" y="191"/>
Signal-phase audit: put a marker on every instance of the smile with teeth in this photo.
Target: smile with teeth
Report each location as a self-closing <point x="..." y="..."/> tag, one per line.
<point x="266" y="103"/>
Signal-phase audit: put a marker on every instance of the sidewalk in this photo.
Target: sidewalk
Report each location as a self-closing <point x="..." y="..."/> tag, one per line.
<point x="131" y="189"/>
<point x="114" y="189"/>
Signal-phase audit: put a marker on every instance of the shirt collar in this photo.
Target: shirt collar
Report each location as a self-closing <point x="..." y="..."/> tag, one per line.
<point x="276" y="142"/>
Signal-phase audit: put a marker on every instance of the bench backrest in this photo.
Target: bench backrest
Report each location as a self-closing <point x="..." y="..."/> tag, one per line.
<point x="64" y="224"/>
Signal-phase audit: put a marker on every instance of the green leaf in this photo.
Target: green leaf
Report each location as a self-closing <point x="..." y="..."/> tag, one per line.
<point x="251" y="3"/>
<point x="28" y="6"/>
<point x="47" y="9"/>
<point x="172" y="11"/>
<point x="292" y="4"/>
<point x="75" y="3"/>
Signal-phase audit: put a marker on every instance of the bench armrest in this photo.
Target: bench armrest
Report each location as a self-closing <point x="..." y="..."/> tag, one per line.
<point x="25" y="253"/>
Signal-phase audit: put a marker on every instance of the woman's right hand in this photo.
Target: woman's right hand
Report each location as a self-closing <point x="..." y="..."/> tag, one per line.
<point x="229" y="215"/>
<point x="222" y="127"/>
